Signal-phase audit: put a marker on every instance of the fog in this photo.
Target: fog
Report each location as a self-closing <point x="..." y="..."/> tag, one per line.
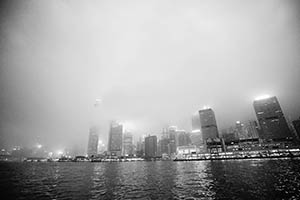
<point x="152" y="64"/>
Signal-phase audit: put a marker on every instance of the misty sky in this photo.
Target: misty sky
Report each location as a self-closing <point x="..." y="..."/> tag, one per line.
<point x="153" y="64"/>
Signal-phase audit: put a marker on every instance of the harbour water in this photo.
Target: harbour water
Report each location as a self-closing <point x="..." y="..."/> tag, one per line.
<point x="230" y="179"/>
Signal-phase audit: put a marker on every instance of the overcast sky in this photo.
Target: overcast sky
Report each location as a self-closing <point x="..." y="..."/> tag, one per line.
<point x="152" y="63"/>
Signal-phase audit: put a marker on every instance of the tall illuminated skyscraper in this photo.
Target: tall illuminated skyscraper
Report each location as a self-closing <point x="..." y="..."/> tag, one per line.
<point x="208" y="123"/>
<point x="115" y="139"/>
<point x="271" y="119"/>
<point x="93" y="142"/>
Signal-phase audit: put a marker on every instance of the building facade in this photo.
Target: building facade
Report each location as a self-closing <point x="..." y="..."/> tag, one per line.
<point x="251" y="130"/>
<point x="151" y="146"/>
<point x="208" y="123"/>
<point x="183" y="138"/>
<point x="115" y="139"/>
<point x="127" y="144"/>
<point x="93" y="142"/>
<point x="271" y="119"/>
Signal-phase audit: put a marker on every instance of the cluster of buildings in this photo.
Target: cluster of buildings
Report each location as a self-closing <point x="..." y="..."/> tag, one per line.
<point x="120" y="142"/>
<point x="270" y="131"/>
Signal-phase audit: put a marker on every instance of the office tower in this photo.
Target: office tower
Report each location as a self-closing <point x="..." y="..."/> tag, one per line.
<point x="150" y="146"/>
<point x="93" y="142"/>
<point x="183" y="138"/>
<point x="208" y="124"/>
<point x="172" y="140"/>
<point x="164" y="145"/>
<point x="127" y="144"/>
<point x="140" y="146"/>
<point x="271" y="119"/>
<point x="251" y="129"/>
<point x="239" y="128"/>
<point x="115" y="139"/>
<point x="247" y="130"/>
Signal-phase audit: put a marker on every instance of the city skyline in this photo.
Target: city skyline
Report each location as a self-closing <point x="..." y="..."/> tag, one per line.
<point x="160" y="99"/>
<point x="66" y="64"/>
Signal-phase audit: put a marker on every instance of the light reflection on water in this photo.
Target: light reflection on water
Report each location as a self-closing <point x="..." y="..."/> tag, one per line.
<point x="237" y="179"/>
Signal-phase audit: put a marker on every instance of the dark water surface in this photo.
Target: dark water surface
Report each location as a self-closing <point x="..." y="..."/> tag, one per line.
<point x="237" y="179"/>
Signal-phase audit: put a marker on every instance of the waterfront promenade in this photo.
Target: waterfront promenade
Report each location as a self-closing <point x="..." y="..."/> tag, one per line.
<point x="278" y="153"/>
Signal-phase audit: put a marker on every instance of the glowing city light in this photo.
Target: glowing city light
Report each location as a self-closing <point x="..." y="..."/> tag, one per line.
<point x="196" y="131"/>
<point x="265" y="96"/>
<point x="59" y="152"/>
<point x="206" y="107"/>
<point x="39" y="146"/>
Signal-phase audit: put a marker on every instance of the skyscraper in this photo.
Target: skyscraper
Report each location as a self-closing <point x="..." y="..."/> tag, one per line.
<point x="140" y="147"/>
<point x="164" y="145"/>
<point x="93" y="142"/>
<point x="172" y="139"/>
<point x="150" y="146"/>
<point x="208" y="124"/>
<point x="115" y="139"/>
<point x="251" y="129"/>
<point x="183" y="138"/>
<point x="247" y="130"/>
<point x="127" y="144"/>
<point x="271" y="119"/>
<point x="239" y="128"/>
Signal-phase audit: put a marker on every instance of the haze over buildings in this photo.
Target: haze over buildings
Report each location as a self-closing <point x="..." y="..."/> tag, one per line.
<point x="152" y="64"/>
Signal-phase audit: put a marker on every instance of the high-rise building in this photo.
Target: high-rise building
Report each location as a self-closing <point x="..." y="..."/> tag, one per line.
<point x="183" y="138"/>
<point x="127" y="144"/>
<point x="140" y="148"/>
<point x="164" y="145"/>
<point x="251" y="129"/>
<point x="239" y="128"/>
<point x="208" y="123"/>
<point x="172" y="130"/>
<point x="115" y="139"/>
<point x="150" y="146"/>
<point x="247" y="130"/>
<point x="93" y="142"/>
<point x="271" y="119"/>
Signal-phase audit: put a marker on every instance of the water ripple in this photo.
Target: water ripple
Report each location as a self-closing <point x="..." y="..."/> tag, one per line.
<point x="247" y="179"/>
